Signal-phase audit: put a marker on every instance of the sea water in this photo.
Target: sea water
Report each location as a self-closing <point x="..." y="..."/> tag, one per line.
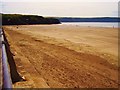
<point x="94" y="24"/>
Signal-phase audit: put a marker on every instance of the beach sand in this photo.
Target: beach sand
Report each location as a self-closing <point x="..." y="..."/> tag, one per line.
<point x="59" y="56"/>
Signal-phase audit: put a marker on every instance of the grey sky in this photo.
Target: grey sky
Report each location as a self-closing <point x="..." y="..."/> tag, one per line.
<point x="72" y="8"/>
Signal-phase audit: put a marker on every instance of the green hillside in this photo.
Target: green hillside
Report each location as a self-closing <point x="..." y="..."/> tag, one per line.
<point x="18" y="19"/>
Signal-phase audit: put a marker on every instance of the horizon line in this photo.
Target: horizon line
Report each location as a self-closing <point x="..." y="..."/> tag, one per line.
<point x="62" y="16"/>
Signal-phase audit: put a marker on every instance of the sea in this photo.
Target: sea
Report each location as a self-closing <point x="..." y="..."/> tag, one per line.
<point x="94" y="24"/>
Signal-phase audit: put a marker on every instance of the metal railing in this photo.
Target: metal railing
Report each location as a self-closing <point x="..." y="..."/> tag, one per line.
<point x="7" y="83"/>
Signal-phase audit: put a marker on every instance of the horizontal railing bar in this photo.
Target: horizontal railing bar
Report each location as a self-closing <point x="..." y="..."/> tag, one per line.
<point x="7" y="83"/>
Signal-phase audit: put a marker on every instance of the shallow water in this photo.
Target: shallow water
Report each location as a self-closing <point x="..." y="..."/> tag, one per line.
<point x="93" y="24"/>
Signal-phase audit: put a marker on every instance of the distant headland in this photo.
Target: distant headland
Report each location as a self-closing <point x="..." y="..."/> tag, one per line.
<point x="96" y="19"/>
<point x="18" y="19"/>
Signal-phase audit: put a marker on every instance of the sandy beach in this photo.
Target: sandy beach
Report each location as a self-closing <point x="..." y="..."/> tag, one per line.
<point x="64" y="56"/>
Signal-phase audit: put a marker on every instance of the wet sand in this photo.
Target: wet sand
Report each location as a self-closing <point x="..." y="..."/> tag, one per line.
<point x="59" y="56"/>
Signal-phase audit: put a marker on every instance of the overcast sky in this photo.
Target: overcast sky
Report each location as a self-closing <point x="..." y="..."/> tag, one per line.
<point x="69" y="8"/>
